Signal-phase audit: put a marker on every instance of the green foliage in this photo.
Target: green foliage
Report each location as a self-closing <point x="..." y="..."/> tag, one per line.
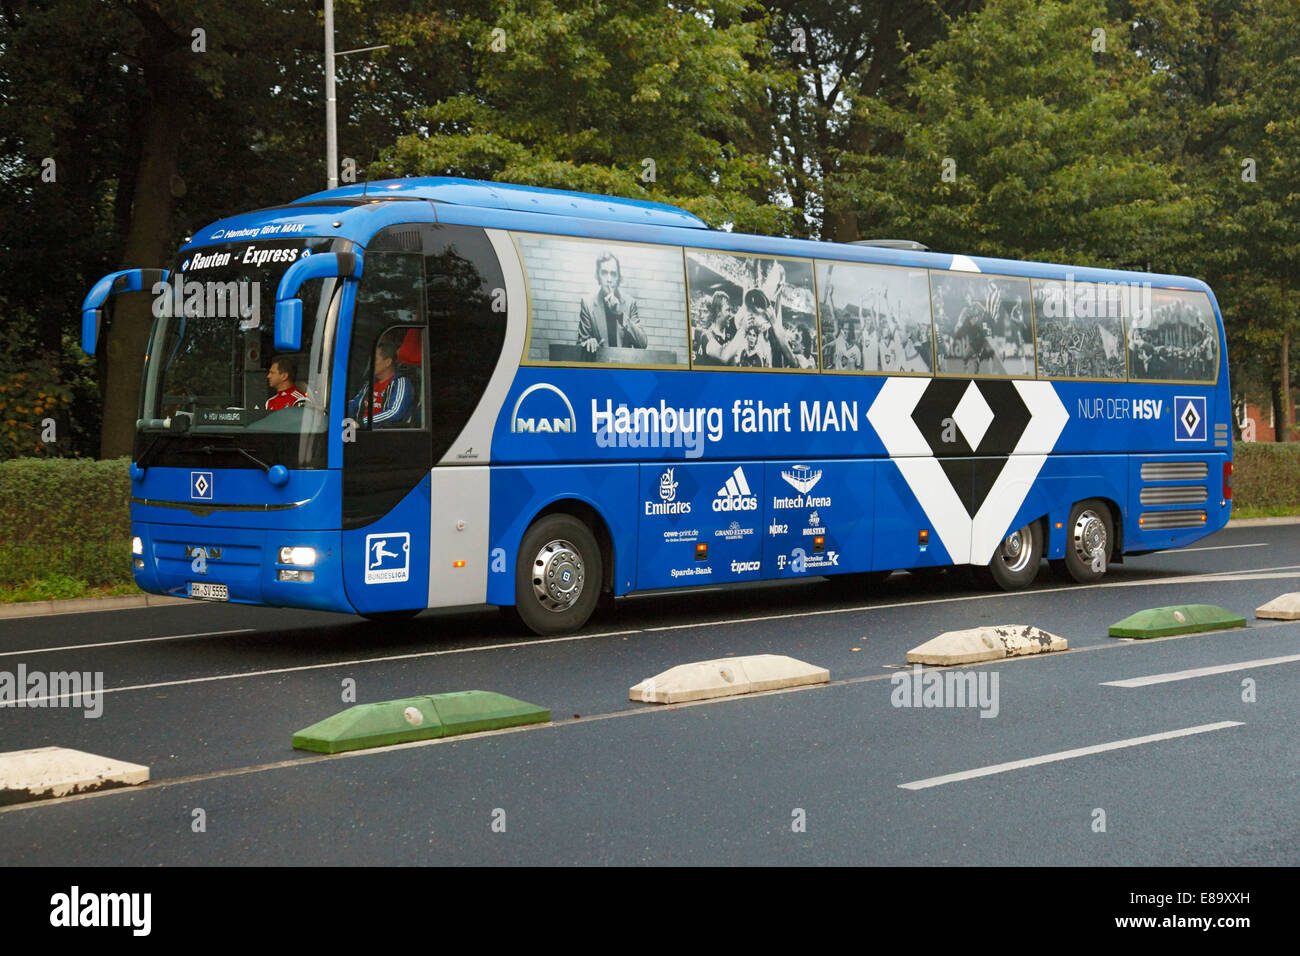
<point x="1051" y="150"/>
<point x="67" y="517"/>
<point x="584" y="94"/>
<point x="1266" y="476"/>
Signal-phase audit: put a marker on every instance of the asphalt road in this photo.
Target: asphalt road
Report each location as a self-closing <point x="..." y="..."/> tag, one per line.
<point x="208" y="696"/>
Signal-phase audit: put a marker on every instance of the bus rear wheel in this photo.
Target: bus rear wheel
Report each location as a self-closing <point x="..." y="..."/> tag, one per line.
<point x="1089" y="539"/>
<point x="1015" y="562"/>
<point x="558" y="575"/>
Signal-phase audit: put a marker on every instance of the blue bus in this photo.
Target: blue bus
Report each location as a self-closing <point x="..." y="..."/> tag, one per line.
<point x="436" y="392"/>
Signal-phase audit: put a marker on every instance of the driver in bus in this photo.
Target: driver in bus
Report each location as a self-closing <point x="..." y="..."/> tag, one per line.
<point x="280" y="376"/>
<point x="392" y="397"/>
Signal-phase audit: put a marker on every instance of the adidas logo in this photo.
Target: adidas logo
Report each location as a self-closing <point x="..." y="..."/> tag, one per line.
<point x="735" y="494"/>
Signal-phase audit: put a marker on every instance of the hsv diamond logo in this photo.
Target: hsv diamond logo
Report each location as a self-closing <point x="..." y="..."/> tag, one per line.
<point x="201" y="485"/>
<point x="388" y="557"/>
<point x="1189" y="418"/>
<point x="969" y="450"/>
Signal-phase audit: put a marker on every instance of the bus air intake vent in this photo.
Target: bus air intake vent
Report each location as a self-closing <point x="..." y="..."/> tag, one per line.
<point x="1175" y="495"/>
<point x="1175" y="470"/>
<point x="1153" y="520"/>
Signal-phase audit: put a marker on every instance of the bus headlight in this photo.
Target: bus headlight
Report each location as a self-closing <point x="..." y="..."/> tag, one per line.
<point x="303" y="557"/>
<point x="137" y="545"/>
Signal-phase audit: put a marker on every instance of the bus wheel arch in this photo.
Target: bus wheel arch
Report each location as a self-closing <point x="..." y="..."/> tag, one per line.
<point x="564" y="565"/>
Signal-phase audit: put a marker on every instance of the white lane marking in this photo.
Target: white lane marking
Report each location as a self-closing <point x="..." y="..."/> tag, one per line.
<point x="30" y="701"/>
<point x="1180" y="579"/>
<point x="1221" y="576"/>
<point x="1065" y="755"/>
<point x="1201" y="672"/>
<point x="1221" y="547"/>
<point x="134" y="640"/>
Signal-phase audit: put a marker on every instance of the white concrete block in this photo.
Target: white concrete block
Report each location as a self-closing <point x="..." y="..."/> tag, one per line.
<point x="1283" y="608"/>
<point x="58" y="771"/>
<point x="726" y="677"/>
<point x="985" y="644"/>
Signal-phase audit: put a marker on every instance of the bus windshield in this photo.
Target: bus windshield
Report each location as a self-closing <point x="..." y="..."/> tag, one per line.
<point x="211" y="368"/>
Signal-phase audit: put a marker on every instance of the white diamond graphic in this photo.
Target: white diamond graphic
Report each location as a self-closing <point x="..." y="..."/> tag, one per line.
<point x="201" y="486"/>
<point x="973" y="416"/>
<point x="1191" y="418"/>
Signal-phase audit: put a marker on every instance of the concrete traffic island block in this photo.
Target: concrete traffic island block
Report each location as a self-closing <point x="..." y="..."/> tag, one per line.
<point x="417" y="718"/>
<point x="986" y="644"/>
<point x="1176" y="619"/>
<point x="1284" y="608"/>
<point x="726" y="677"/>
<point x="48" y="772"/>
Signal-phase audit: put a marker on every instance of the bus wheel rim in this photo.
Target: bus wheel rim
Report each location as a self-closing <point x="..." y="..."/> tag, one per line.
<point x="558" y="575"/>
<point x="1089" y="535"/>
<point x="1016" y="549"/>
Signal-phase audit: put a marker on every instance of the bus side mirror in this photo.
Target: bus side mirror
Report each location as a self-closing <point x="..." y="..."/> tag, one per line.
<point x="91" y="320"/>
<point x="115" y="283"/>
<point x="288" y="307"/>
<point x="288" y="325"/>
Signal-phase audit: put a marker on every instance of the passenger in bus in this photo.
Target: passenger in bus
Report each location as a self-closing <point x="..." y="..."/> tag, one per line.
<point x="392" y="396"/>
<point x="608" y="316"/>
<point x="280" y="377"/>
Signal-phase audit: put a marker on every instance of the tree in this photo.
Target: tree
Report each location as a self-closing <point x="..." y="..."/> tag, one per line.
<point x="1022" y="141"/>
<point x="609" y="96"/>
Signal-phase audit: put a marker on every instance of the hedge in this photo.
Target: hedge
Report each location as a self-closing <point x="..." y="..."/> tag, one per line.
<point x="1266" y="475"/>
<point x="69" y="516"/>
<point x="65" y="516"/>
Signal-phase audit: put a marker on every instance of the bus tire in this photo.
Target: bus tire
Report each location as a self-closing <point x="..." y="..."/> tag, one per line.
<point x="558" y="575"/>
<point x="1016" y="562"/>
<point x="1089" y="529"/>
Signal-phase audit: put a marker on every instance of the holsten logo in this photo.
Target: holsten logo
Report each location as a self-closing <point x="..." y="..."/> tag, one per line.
<point x="668" y="503"/>
<point x="536" y="424"/>
<point x="735" y="494"/>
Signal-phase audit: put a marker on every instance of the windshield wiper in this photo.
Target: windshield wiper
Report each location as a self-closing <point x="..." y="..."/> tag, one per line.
<point x="170" y="426"/>
<point x="211" y="449"/>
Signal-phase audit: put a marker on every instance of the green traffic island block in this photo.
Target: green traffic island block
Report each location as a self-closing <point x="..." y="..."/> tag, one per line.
<point x="1177" y="619"/>
<point x="417" y="718"/>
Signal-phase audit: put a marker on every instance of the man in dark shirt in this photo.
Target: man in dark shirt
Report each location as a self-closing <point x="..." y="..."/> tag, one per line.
<point x="608" y="316"/>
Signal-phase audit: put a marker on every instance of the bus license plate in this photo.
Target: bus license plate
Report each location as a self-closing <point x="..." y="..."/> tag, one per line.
<point x="209" y="592"/>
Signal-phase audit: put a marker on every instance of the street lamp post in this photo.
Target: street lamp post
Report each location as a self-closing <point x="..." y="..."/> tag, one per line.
<point x="331" y="123"/>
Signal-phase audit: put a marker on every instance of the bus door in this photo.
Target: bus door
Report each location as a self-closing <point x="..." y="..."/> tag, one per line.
<point x="387" y="451"/>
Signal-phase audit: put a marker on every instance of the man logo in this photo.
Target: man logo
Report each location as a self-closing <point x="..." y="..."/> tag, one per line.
<point x="543" y="425"/>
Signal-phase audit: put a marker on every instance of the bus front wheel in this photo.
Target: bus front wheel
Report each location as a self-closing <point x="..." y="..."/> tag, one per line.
<point x="1089" y="539"/>
<point x="1015" y="563"/>
<point x="558" y="575"/>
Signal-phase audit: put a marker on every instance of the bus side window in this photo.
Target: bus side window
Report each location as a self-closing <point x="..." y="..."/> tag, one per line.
<point x="386" y="362"/>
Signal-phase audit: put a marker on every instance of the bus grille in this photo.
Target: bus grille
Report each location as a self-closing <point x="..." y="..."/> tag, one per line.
<point x="1175" y="470"/>
<point x="1174" y="495"/>
<point x="1171" y="519"/>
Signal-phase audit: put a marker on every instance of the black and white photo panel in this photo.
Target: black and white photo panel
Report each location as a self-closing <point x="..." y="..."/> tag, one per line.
<point x="875" y="318"/>
<point x="1080" y="329"/>
<point x="751" y="311"/>
<point x="618" y="303"/>
<point x="983" y="325"/>
<point x="1173" y="337"/>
